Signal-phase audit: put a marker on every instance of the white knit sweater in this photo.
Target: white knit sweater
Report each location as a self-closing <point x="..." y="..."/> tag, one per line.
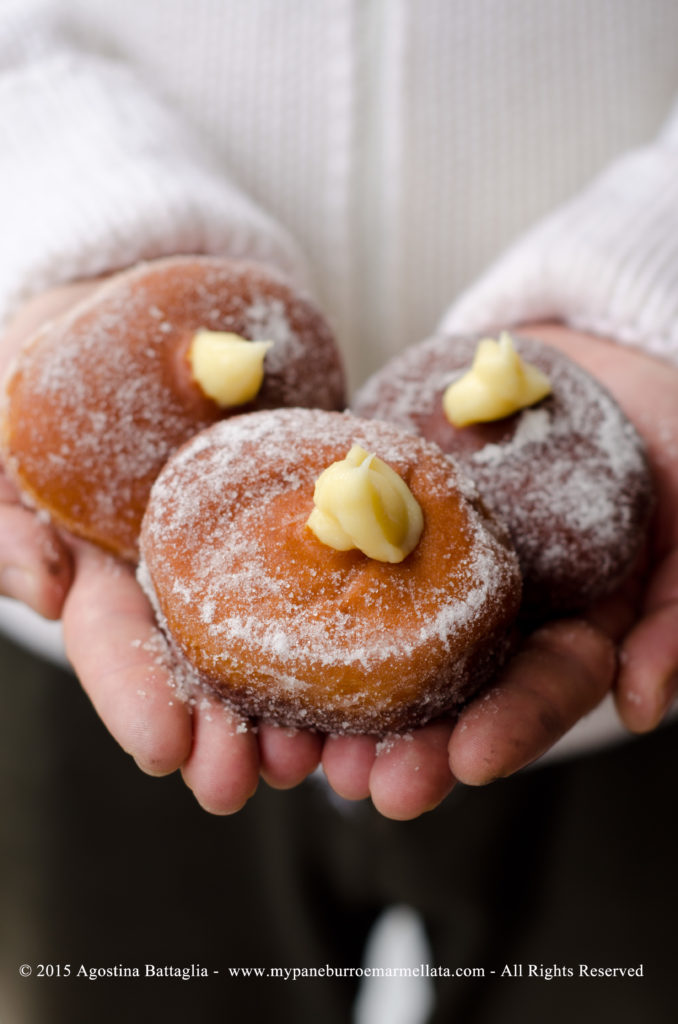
<point x="400" y="145"/>
<point x="395" y="147"/>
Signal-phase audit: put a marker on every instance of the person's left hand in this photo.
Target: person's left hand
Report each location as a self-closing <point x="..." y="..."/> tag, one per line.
<point x="628" y="641"/>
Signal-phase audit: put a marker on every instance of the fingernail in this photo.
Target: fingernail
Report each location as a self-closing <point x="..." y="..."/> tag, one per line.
<point x="18" y="583"/>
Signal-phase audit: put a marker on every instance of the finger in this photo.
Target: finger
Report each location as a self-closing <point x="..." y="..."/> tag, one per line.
<point x="411" y="773"/>
<point x="662" y="588"/>
<point x="223" y="767"/>
<point x="123" y="663"/>
<point x="347" y="762"/>
<point x="648" y="678"/>
<point x="562" y="672"/>
<point x="615" y="615"/>
<point x="35" y="566"/>
<point x="287" y="756"/>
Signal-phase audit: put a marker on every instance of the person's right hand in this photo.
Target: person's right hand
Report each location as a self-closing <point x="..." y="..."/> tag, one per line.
<point x="117" y="651"/>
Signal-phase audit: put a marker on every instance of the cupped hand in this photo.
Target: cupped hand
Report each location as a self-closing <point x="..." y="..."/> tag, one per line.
<point x="647" y="390"/>
<point x="116" y="650"/>
<point x="627" y="643"/>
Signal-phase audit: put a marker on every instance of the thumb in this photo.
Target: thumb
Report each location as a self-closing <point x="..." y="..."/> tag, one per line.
<point x="35" y="565"/>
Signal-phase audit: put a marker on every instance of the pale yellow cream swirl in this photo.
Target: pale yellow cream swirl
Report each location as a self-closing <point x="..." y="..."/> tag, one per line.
<point x="498" y="384"/>
<point x="228" y="369"/>
<point x="361" y="502"/>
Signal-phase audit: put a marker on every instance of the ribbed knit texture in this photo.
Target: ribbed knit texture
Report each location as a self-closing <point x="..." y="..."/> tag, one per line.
<point x="607" y="262"/>
<point x="402" y="145"/>
<point x="96" y="174"/>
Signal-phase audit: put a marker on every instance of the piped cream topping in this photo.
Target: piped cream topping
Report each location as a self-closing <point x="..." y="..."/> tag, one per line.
<point x="361" y="502"/>
<point x="227" y="367"/>
<point x="498" y="384"/>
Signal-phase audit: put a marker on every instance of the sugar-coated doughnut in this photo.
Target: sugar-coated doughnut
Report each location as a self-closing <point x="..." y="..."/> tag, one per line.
<point x="97" y="401"/>
<point x="289" y="629"/>
<point x="568" y="476"/>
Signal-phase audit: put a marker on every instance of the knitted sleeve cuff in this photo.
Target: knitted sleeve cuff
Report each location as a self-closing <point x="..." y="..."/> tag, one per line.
<point x="606" y="262"/>
<point x="96" y="174"/>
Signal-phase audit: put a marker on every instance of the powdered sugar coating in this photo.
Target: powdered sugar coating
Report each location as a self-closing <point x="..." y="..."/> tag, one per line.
<point x="291" y="630"/>
<point x="569" y="477"/>
<point x="98" y="401"/>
